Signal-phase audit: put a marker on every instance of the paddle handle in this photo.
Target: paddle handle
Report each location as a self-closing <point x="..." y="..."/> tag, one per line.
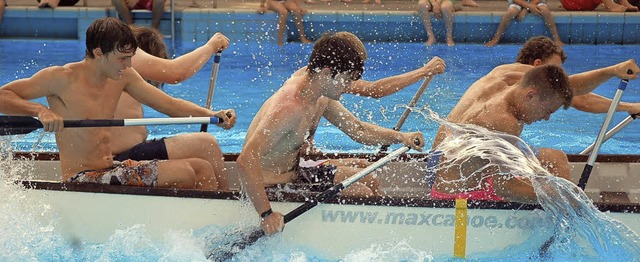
<point x="407" y="111"/>
<point x="612" y="132"/>
<point x="212" y="83"/>
<point x="586" y="172"/>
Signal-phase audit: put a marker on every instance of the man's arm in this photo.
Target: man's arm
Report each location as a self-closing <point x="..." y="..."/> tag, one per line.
<point x="586" y="82"/>
<point x="266" y="135"/>
<point x="153" y="97"/>
<point x="366" y="133"/>
<point x="15" y="96"/>
<point x="176" y="70"/>
<point x="594" y="103"/>
<point x="393" y="84"/>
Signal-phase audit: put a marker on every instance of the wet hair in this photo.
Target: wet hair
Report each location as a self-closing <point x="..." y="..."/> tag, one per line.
<point x="539" y="47"/>
<point x="109" y="33"/>
<point x="549" y="80"/>
<point x="341" y="52"/>
<point x="150" y="40"/>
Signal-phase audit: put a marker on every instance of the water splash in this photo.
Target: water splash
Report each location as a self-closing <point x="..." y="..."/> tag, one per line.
<point x="581" y="229"/>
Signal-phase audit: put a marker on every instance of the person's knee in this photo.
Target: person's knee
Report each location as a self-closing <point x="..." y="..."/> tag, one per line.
<point x="178" y="174"/>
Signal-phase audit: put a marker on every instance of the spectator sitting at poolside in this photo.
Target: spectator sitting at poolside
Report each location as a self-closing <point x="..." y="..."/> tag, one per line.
<point x="124" y="8"/>
<point x="56" y="3"/>
<point x="591" y="5"/>
<point x="3" y="3"/>
<point x="519" y="9"/>
<point x="514" y="102"/>
<point x="270" y="154"/>
<point x="151" y="62"/>
<point x="90" y="89"/>
<point x="440" y="8"/>
<point x="283" y="8"/>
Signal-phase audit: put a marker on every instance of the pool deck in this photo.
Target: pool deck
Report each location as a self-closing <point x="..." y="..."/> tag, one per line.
<point x="394" y="20"/>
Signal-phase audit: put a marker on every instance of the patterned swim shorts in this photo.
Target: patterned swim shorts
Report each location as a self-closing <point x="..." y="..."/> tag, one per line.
<point x="127" y="173"/>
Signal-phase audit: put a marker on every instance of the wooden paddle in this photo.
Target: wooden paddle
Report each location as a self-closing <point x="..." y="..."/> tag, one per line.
<point x="612" y="132"/>
<point x="212" y="84"/>
<point x="586" y="172"/>
<point x="249" y="239"/>
<point x="406" y="112"/>
<point x="16" y="125"/>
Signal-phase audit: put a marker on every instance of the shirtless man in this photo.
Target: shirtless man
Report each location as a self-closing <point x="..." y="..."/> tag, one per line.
<point x="151" y="63"/>
<point x="90" y="89"/>
<point x="499" y="102"/>
<point x="279" y="129"/>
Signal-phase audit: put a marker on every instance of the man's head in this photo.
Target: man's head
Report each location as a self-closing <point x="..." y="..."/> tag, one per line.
<point x="109" y="34"/>
<point x="151" y="41"/>
<point x="540" y="50"/>
<point x="341" y="53"/>
<point x="545" y="89"/>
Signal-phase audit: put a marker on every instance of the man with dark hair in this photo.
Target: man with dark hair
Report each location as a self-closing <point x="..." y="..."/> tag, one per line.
<point x="90" y="89"/>
<point x="289" y="117"/>
<point x="505" y="100"/>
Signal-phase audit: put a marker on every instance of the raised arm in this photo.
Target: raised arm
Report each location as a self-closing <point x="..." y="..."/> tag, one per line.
<point x="594" y="103"/>
<point x="366" y="133"/>
<point x="392" y="84"/>
<point x="166" y="104"/>
<point x="584" y="83"/>
<point x="15" y="96"/>
<point x="176" y="70"/>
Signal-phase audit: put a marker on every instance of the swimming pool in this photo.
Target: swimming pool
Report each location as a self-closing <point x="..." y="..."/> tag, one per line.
<point x="250" y="73"/>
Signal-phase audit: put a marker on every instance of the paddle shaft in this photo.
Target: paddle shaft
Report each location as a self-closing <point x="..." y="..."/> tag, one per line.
<point x="612" y="132"/>
<point x="407" y="111"/>
<point x="212" y="84"/>
<point x="14" y="125"/>
<point x="586" y="172"/>
<point x="311" y="203"/>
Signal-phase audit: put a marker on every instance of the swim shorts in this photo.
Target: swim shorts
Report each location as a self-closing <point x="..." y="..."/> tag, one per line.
<point x="126" y="173"/>
<point x="142" y="4"/>
<point x="147" y="150"/>
<point x="318" y="177"/>
<point x="66" y="2"/>
<point x="580" y="5"/>
<point x="517" y="6"/>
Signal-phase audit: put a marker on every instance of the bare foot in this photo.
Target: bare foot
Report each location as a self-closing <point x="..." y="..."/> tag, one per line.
<point x="450" y="42"/>
<point x="491" y="43"/>
<point x="470" y="3"/>
<point x="195" y="4"/>
<point x="630" y="7"/>
<point x="615" y="8"/>
<point x="430" y="41"/>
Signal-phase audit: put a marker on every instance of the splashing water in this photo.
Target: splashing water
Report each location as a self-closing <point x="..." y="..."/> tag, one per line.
<point x="582" y="231"/>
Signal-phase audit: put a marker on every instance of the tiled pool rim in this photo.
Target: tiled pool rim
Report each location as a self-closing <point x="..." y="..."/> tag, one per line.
<point x="196" y="25"/>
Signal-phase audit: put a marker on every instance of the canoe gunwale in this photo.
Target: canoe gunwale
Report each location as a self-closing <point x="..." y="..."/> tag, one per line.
<point x="300" y="197"/>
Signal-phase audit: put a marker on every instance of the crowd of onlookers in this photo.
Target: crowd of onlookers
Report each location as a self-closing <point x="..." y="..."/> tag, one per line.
<point x="439" y="9"/>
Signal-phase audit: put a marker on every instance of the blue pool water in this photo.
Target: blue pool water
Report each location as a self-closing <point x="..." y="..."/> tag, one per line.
<point x="249" y="73"/>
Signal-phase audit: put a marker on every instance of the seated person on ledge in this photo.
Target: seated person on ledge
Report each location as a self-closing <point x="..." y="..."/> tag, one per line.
<point x="151" y="62"/>
<point x="56" y="3"/>
<point x="90" y="89"/>
<point x="280" y="128"/>
<point x="124" y="8"/>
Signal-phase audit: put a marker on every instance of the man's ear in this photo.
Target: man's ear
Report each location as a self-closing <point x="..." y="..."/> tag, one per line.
<point x="537" y="62"/>
<point x="97" y="52"/>
<point x="531" y="93"/>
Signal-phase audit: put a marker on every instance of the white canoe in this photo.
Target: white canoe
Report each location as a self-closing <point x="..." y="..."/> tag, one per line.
<point x="92" y="213"/>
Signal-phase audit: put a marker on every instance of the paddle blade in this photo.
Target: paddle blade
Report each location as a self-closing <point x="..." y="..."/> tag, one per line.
<point x="226" y="252"/>
<point x="17" y="125"/>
